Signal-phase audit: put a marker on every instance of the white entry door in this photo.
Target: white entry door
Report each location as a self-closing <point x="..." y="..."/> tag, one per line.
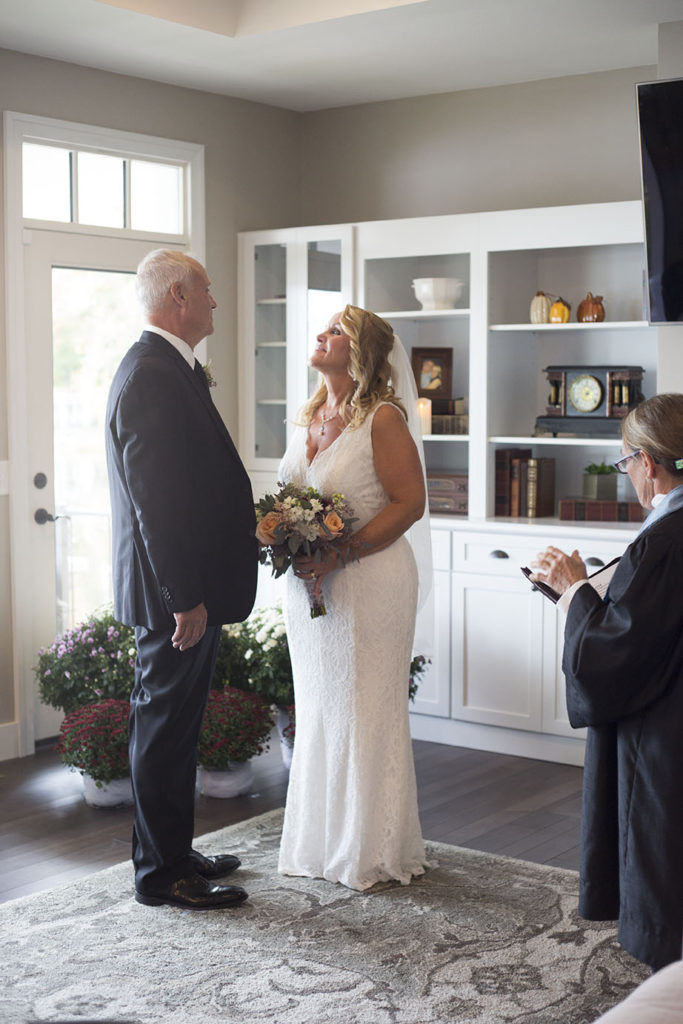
<point x="81" y="316"/>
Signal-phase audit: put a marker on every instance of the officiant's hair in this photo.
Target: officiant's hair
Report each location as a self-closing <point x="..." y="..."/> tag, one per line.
<point x="371" y="340"/>
<point x="656" y="427"/>
<point x="157" y="271"/>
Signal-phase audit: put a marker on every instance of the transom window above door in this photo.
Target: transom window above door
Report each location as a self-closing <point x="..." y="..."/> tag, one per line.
<point x="74" y="186"/>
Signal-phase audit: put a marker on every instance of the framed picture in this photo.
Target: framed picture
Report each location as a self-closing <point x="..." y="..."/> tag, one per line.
<point x="432" y="368"/>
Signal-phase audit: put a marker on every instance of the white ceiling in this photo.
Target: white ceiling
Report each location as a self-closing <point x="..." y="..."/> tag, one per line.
<point x="313" y="54"/>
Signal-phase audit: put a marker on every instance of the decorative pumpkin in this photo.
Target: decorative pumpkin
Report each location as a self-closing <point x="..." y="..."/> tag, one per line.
<point x="559" y="312"/>
<point x="591" y="310"/>
<point x="539" y="310"/>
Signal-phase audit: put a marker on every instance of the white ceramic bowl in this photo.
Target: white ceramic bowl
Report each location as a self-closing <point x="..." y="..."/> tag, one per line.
<point x="437" y="292"/>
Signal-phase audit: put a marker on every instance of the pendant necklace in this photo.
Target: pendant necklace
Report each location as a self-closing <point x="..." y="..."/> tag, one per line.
<point x="326" y="419"/>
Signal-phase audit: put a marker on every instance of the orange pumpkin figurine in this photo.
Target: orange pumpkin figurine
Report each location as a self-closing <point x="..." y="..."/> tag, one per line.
<point x="591" y="310"/>
<point x="559" y="312"/>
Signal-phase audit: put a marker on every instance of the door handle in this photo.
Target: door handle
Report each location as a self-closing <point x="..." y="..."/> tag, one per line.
<point x="42" y="516"/>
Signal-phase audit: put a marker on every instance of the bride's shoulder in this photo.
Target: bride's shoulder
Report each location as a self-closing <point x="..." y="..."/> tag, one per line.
<point x="387" y="415"/>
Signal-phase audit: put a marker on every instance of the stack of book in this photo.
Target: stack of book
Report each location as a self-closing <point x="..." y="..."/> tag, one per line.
<point x="459" y="424"/>
<point x="447" y="493"/>
<point x="524" y="485"/>
<point x="601" y="510"/>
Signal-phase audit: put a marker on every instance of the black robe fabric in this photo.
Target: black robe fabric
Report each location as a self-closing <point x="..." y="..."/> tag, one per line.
<point x="623" y="663"/>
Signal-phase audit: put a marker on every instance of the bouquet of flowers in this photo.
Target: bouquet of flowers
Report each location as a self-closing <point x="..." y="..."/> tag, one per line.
<point x="301" y="521"/>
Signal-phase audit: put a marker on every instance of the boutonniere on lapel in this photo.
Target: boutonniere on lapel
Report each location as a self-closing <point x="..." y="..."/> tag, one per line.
<point x="210" y="379"/>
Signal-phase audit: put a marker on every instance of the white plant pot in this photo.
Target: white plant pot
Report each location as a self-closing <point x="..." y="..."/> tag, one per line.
<point x="233" y="781"/>
<point x="286" y="748"/>
<point x="107" y="794"/>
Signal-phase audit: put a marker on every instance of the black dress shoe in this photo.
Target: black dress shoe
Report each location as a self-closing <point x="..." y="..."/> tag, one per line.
<point x="194" y="893"/>
<point x="213" y="867"/>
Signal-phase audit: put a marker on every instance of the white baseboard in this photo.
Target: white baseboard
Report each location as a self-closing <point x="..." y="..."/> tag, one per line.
<point x="540" y="746"/>
<point x="9" y="740"/>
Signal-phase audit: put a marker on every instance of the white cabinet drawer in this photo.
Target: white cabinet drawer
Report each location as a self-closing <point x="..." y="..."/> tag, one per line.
<point x="503" y="554"/>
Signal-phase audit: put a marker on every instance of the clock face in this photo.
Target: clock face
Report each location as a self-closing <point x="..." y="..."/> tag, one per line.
<point x="585" y="393"/>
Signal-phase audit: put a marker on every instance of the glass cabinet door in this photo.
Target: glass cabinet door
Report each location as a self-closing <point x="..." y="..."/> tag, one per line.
<point x="270" y="350"/>
<point x="292" y="283"/>
<point x="323" y="293"/>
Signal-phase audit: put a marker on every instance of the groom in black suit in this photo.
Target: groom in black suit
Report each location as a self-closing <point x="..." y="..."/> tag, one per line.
<point x="185" y="561"/>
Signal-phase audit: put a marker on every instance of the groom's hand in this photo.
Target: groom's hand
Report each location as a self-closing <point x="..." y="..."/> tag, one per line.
<point x="190" y="627"/>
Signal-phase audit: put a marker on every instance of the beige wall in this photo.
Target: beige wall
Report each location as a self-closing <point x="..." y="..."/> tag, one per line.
<point x="565" y="140"/>
<point x="252" y="180"/>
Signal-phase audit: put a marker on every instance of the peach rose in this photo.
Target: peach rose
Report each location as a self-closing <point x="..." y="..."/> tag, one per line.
<point x="333" y="523"/>
<point x="265" y="531"/>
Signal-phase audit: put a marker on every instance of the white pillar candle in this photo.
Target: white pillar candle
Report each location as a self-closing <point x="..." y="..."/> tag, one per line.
<point x="424" y="410"/>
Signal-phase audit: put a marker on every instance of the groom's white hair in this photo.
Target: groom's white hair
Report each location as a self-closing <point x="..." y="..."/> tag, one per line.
<point x="157" y="272"/>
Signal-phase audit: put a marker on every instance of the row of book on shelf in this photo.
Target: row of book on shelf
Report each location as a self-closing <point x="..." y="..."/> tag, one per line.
<point x="525" y="487"/>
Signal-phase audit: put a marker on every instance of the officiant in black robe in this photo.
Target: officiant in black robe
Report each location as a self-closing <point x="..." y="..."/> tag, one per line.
<point x="623" y="663"/>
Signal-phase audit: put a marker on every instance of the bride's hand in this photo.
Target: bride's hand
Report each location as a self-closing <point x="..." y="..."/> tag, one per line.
<point x="308" y="568"/>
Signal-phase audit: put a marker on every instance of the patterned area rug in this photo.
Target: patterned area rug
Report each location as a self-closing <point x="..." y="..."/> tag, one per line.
<point x="479" y="939"/>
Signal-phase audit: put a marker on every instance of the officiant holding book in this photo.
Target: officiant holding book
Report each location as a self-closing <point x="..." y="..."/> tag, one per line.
<point x="623" y="664"/>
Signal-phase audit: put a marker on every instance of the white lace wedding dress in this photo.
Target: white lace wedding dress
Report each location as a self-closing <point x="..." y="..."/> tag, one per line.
<point x="351" y="813"/>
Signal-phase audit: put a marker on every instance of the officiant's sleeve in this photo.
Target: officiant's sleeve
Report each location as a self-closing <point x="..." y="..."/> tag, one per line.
<point x="621" y="653"/>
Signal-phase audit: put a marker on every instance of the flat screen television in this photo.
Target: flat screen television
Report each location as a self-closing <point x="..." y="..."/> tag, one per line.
<point x="660" y="122"/>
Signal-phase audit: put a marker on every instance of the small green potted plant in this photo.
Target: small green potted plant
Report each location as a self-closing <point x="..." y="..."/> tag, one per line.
<point x="418" y="666"/>
<point x="236" y="727"/>
<point x="600" y="481"/>
<point x="94" y="741"/>
<point x="92" y="662"/>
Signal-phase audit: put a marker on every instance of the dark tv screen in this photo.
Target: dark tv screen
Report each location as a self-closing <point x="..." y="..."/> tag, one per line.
<point x="660" y="120"/>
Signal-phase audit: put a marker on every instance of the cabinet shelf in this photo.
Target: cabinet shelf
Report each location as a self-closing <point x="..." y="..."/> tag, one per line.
<point x="270" y="344"/>
<point x="445" y="437"/>
<point x="507" y="524"/>
<point x="605" y="325"/>
<point x="272" y="401"/>
<point x="277" y="301"/>
<point x="424" y="314"/>
<point x="583" y="442"/>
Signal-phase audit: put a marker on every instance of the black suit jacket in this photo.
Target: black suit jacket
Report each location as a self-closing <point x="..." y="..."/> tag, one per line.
<point x="182" y="507"/>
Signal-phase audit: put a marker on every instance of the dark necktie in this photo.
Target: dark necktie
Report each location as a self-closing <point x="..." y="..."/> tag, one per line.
<point x="198" y="369"/>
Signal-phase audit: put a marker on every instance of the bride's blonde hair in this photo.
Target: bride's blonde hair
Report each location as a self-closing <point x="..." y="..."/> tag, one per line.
<point x="371" y="340"/>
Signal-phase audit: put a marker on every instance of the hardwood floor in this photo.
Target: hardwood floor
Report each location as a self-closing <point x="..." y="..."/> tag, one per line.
<point x="508" y="805"/>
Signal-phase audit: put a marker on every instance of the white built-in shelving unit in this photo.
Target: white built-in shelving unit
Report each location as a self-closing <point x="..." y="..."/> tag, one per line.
<point x="495" y="679"/>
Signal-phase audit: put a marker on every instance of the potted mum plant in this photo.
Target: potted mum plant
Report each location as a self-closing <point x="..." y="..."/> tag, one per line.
<point x="254" y="656"/>
<point x="92" y="662"/>
<point x="94" y="741"/>
<point x="236" y="727"/>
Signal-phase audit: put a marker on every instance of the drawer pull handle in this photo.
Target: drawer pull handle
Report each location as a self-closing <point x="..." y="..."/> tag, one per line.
<point x="498" y="554"/>
<point x="594" y="560"/>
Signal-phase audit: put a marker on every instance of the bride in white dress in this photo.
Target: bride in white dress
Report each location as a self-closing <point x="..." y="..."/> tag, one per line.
<point x="351" y="813"/>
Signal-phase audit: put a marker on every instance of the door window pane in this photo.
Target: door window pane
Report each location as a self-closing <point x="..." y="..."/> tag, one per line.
<point x="156" y="197"/>
<point x="95" y="319"/>
<point x="101" y="187"/>
<point x="46" y="173"/>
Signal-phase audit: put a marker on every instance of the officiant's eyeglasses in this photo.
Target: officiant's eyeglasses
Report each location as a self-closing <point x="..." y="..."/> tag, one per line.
<point x="619" y="464"/>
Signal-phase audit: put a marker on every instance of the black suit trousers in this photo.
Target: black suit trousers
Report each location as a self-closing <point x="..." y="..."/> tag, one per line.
<point x="167" y="707"/>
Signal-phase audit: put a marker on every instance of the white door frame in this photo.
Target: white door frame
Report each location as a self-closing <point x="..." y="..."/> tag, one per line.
<point x="17" y="737"/>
